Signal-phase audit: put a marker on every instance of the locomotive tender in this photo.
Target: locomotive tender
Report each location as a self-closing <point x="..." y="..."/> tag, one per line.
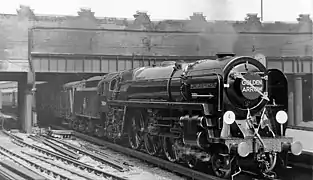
<point x="219" y="113"/>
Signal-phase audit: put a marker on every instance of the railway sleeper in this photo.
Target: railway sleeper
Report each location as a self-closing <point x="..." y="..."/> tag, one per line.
<point x="66" y="175"/>
<point x="151" y="159"/>
<point x="20" y="170"/>
<point x="6" y="174"/>
<point x="70" y="161"/>
<point x="56" y="165"/>
<point x="12" y="135"/>
<point x="102" y="153"/>
<point x="11" y="171"/>
<point x="61" y="149"/>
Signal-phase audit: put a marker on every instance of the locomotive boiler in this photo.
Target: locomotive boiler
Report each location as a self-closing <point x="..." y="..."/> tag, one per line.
<point x="219" y="113"/>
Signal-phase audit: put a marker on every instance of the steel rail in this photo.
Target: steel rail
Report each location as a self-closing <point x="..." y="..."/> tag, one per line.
<point x="56" y="165"/>
<point x="12" y="135"/>
<point x="60" y="149"/>
<point x="151" y="159"/>
<point x="72" y="161"/>
<point x="15" y="158"/>
<point x="6" y="174"/>
<point x="93" y="155"/>
<point x="69" y="160"/>
<point x="101" y="152"/>
<point x="35" y="138"/>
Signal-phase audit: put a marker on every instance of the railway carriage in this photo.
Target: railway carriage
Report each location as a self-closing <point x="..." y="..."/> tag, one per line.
<point x="67" y="97"/>
<point x="9" y="97"/>
<point x="81" y="101"/>
<point x="8" y="100"/>
<point x="220" y="112"/>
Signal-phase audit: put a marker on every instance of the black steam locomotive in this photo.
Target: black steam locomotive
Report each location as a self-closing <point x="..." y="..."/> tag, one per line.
<point x="222" y="113"/>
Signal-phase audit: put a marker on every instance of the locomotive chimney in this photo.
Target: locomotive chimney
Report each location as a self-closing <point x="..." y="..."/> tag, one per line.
<point x="222" y="55"/>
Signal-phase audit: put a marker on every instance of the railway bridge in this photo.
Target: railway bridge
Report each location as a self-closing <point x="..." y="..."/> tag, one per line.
<point x="59" y="49"/>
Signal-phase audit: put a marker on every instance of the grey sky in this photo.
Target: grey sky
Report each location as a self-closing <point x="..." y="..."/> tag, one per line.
<point x="274" y="10"/>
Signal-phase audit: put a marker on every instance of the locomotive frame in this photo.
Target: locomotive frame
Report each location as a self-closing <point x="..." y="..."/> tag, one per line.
<point x="190" y="112"/>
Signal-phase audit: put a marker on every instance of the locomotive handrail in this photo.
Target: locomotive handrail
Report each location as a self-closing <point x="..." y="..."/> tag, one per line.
<point x="162" y="104"/>
<point x="202" y="75"/>
<point x="150" y="79"/>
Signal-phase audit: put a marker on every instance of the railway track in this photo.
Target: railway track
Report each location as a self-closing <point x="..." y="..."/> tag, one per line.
<point x="57" y="172"/>
<point x="43" y="160"/>
<point x="93" y="153"/>
<point x="292" y="174"/>
<point x="13" y="170"/>
<point x="186" y="172"/>
<point x="90" y="162"/>
<point x="53" y="165"/>
<point x="6" y="174"/>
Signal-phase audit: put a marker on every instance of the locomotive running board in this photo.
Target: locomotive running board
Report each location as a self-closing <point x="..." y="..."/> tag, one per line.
<point x="163" y="105"/>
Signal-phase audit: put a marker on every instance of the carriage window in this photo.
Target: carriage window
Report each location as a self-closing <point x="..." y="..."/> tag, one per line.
<point x="112" y="84"/>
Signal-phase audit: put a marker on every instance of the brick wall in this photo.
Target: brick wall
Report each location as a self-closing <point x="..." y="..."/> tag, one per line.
<point x="170" y="43"/>
<point x="194" y="37"/>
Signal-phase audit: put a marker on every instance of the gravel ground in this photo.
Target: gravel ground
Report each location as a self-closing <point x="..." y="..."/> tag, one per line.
<point x="138" y="170"/>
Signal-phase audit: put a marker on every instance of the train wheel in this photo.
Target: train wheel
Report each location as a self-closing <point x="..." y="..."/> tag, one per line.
<point x="191" y="161"/>
<point x="135" y="133"/>
<point x="221" y="166"/>
<point x="169" y="149"/>
<point x="82" y="126"/>
<point x="151" y="144"/>
<point x="99" y="131"/>
<point x="75" y="126"/>
<point x="266" y="162"/>
<point x="90" y="129"/>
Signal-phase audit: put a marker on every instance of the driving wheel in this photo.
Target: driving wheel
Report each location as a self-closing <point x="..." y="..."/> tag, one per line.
<point x="221" y="166"/>
<point x="191" y="161"/>
<point x="90" y="129"/>
<point x="135" y="131"/>
<point x="75" y="125"/>
<point x="170" y="150"/>
<point x="151" y="144"/>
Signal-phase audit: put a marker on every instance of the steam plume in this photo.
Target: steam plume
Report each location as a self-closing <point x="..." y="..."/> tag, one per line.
<point x="219" y="36"/>
<point x="219" y="10"/>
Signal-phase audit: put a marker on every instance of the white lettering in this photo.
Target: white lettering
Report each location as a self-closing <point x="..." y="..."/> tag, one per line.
<point x="253" y="82"/>
<point x="251" y="89"/>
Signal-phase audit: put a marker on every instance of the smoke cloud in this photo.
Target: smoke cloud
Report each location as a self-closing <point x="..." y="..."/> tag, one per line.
<point x="219" y="10"/>
<point x="219" y="36"/>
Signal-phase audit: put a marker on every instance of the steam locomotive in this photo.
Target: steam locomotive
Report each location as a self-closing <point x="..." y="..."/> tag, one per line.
<point x="221" y="113"/>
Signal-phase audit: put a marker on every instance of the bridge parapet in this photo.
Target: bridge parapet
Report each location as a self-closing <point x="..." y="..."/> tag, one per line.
<point x="170" y="43"/>
<point x="145" y="37"/>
